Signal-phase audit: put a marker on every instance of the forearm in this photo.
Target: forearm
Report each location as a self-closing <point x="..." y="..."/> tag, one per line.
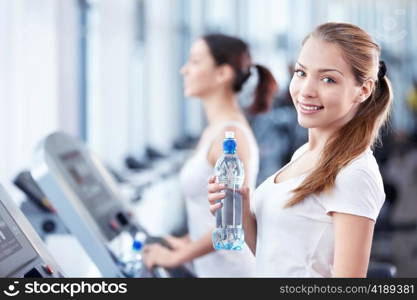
<point x="197" y="248"/>
<point x="185" y="238"/>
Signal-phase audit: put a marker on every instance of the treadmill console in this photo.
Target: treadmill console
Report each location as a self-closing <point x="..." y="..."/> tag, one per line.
<point x="22" y="253"/>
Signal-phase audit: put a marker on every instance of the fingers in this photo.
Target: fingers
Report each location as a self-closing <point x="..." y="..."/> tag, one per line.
<point x="215" y="207"/>
<point x="212" y="179"/>
<point x="215" y="194"/>
<point x="215" y="187"/>
<point x="216" y="197"/>
<point x="149" y="263"/>
<point x="152" y="255"/>
<point x="149" y="256"/>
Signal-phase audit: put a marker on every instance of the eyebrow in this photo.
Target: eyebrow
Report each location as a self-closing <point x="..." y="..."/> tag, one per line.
<point x="322" y="70"/>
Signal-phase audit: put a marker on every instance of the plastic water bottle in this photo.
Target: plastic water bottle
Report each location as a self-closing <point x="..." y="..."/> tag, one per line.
<point x="132" y="261"/>
<point x="229" y="170"/>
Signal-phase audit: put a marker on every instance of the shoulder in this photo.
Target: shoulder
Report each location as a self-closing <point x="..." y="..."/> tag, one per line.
<point x="363" y="169"/>
<point x="358" y="189"/>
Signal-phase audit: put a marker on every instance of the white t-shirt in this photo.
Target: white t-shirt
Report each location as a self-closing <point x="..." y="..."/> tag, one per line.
<point x="299" y="241"/>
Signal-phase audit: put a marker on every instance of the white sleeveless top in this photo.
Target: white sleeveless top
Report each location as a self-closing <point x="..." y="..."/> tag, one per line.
<point x="193" y="178"/>
<point x="299" y="241"/>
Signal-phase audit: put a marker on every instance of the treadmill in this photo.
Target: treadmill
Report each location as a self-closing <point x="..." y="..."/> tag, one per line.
<point x="86" y="198"/>
<point x="22" y="252"/>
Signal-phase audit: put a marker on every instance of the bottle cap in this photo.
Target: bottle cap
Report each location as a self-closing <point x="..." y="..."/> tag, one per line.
<point x="229" y="135"/>
<point x="229" y="143"/>
<point x="138" y="240"/>
<point x="137" y="245"/>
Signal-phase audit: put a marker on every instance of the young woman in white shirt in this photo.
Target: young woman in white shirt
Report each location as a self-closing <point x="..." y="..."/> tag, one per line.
<point x="315" y="216"/>
<point x="218" y="67"/>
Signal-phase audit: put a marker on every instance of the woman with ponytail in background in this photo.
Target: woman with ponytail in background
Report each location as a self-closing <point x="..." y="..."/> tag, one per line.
<point x="315" y="216"/>
<point x="217" y="69"/>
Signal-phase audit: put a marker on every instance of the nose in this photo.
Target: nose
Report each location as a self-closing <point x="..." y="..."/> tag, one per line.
<point x="309" y="88"/>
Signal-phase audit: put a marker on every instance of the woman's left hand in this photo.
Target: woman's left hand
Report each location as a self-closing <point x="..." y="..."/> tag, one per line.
<point x="158" y="255"/>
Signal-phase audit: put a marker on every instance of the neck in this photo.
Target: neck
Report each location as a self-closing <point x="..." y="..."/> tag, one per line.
<point x="317" y="138"/>
<point x="221" y="106"/>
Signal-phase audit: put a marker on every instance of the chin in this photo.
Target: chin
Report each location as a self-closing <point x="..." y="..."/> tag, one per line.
<point x="306" y="123"/>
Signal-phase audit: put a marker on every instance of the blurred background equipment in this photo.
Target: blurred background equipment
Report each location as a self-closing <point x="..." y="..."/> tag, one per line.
<point x="22" y="252"/>
<point x="87" y="200"/>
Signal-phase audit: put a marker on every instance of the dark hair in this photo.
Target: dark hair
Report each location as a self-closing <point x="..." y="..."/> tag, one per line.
<point x="235" y="52"/>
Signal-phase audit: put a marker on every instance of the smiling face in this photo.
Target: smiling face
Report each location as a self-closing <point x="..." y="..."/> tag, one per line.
<point x="323" y="88"/>
<point x="200" y="71"/>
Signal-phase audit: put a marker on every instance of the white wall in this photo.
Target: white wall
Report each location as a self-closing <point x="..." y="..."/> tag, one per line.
<point x="68" y="66"/>
<point x="162" y="71"/>
<point x="110" y="58"/>
<point x="30" y="78"/>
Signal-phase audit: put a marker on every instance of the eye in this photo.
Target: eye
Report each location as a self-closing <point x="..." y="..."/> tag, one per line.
<point x="299" y="73"/>
<point x="328" y="80"/>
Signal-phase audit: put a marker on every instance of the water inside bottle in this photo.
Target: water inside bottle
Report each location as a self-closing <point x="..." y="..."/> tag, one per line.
<point x="229" y="238"/>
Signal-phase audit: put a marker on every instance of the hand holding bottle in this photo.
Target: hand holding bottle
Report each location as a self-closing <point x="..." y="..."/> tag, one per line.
<point x="215" y="194"/>
<point x="229" y="234"/>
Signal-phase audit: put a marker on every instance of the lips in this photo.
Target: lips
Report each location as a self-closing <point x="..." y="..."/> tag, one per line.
<point x="307" y="108"/>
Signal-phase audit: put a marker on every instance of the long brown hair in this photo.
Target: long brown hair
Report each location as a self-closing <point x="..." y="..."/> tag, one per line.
<point x="362" y="54"/>
<point x="235" y="52"/>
